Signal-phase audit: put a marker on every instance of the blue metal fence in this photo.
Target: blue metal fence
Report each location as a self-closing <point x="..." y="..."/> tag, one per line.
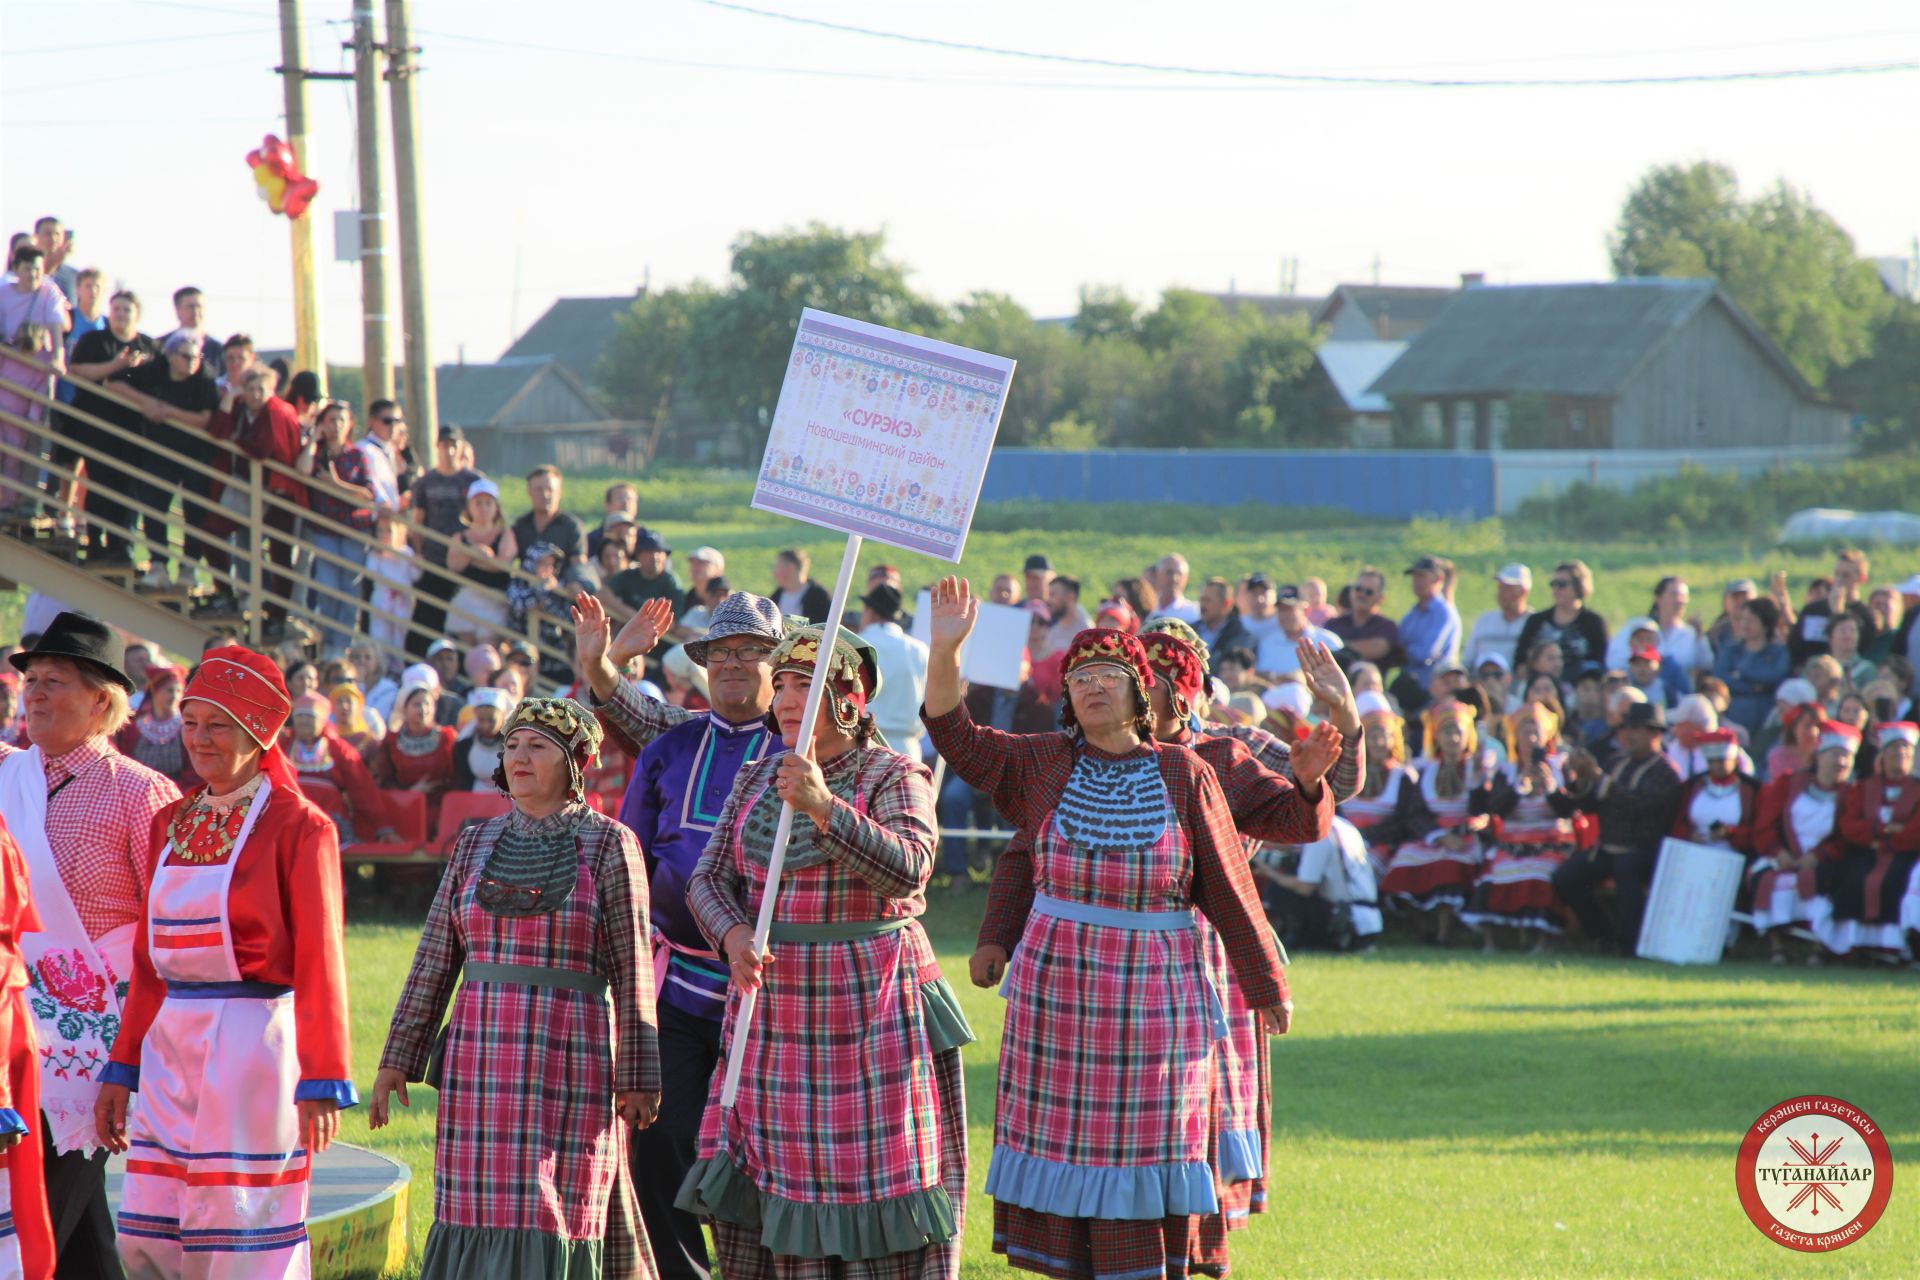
<point x="1371" y="483"/>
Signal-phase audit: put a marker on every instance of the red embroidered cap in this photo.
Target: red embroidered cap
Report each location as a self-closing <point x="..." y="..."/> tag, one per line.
<point x="1103" y="644"/>
<point x="1175" y="660"/>
<point x="245" y="685"/>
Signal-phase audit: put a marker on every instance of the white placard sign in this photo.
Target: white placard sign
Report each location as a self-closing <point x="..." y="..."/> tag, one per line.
<point x="882" y="434"/>
<point x="992" y="655"/>
<point x="1690" y="903"/>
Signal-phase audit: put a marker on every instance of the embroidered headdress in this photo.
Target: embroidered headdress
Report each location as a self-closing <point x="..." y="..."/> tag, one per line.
<point x="853" y="672"/>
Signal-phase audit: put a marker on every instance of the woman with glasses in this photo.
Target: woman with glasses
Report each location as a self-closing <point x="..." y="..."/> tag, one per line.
<point x="1579" y="631"/>
<point x="541" y="913"/>
<point x="1103" y="1160"/>
<point x="844" y="1153"/>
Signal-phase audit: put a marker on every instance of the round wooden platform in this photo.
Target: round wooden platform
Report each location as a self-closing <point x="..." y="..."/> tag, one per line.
<point x="357" y="1214"/>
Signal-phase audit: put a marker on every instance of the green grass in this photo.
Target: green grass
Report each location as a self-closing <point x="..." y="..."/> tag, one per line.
<point x="1449" y="1114"/>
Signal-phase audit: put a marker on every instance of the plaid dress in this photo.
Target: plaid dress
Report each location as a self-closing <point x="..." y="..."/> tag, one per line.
<point x="844" y="1155"/>
<point x="1107" y="1068"/>
<point x="530" y="1155"/>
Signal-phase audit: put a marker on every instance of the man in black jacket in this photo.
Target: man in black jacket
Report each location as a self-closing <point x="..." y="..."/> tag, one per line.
<point x="1636" y="799"/>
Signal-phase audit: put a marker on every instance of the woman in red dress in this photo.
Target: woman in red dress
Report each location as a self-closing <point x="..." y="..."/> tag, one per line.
<point x="26" y="1247"/>
<point x="416" y="754"/>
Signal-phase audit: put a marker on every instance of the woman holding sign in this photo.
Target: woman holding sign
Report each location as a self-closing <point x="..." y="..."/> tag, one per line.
<point x="845" y="1152"/>
<point x="1102" y="1164"/>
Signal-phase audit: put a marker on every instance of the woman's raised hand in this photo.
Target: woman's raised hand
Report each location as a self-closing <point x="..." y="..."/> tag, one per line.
<point x="955" y="610"/>
<point x="590" y="629"/>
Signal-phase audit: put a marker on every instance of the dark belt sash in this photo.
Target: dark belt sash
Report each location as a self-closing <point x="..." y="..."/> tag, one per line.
<point x="835" y="930"/>
<point x="536" y="975"/>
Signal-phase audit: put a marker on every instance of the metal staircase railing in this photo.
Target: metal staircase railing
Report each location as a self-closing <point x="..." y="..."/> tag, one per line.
<point x="245" y="476"/>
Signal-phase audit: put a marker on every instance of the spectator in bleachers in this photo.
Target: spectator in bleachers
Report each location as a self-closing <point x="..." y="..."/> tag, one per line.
<point x="1889" y="617"/>
<point x="1219" y="624"/>
<point x="1494" y="679"/>
<point x="686" y="680"/>
<point x="1580" y="632"/>
<point x="483" y="553"/>
<point x="51" y="238"/>
<point x="547" y="523"/>
<point x="1433" y="870"/>
<point x="178" y="401"/>
<point x="265" y="427"/>
<point x="302" y="678"/>
<point x="437" y="501"/>
<point x="704" y="564"/>
<point x="1723" y="631"/>
<point x="1498" y="629"/>
<point x="1843" y="647"/>
<point x="794" y="591"/>
<point x="1314" y="592"/>
<point x="1515" y="890"/>
<point x="394" y="571"/>
<point x="19" y="374"/>
<point x="381" y="448"/>
<point x="320" y="753"/>
<point x="1681" y="643"/>
<point x="190" y="311"/>
<point x="331" y="457"/>
<point x="152" y="736"/>
<point x="1809" y="636"/>
<point x="31" y="298"/>
<point x="1792" y="729"/>
<point x="1278" y="654"/>
<point x="1695" y="723"/>
<point x="649" y="577"/>
<point x="1139" y="595"/>
<point x="544" y="604"/>
<point x="476" y="750"/>
<point x="417" y="753"/>
<point x="1430" y="631"/>
<point x="610" y="561"/>
<point x="87" y="315"/>
<point x="620" y="518"/>
<point x="1753" y="665"/>
<point x="1363" y="628"/>
<point x="1175" y="573"/>
<point x="358" y="726"/>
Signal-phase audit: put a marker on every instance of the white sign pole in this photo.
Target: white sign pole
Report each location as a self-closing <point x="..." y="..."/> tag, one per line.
<point x="743" y="1020"/>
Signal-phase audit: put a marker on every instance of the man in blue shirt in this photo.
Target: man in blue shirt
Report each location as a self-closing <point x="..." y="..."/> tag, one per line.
<point x="1430" y="633"/>
<point x="688" y="761"/>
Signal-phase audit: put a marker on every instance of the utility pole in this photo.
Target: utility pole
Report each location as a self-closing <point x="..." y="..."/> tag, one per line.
<point x="306" y="296"/>
<point x="377" y="360"/>
<point x="423" y="407"/>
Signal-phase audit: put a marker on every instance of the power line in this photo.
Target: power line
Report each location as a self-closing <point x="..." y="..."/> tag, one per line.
<point x="1316" y="79"/>
<point x="98" y="45"/>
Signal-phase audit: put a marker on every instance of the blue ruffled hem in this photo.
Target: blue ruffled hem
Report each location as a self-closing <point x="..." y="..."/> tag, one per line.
<point x="1240" y="1156"/>
<point x="1132" y="1192"/>
<point x="10" y="1122"/>
<point x="339" y="1092"/>
<point x="121" y="1074"/>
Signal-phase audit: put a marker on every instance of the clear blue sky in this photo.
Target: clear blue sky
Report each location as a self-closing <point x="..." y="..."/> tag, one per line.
<point x="595" y="142"/>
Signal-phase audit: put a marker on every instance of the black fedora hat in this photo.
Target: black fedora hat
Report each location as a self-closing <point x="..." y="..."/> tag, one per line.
<point x="83" y="639"/>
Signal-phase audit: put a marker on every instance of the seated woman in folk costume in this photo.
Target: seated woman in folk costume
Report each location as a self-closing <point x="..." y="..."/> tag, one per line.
<point x="1880" y="822"/>
<point x="320" y="754"/>
<point x="1435" y="873"/>
<point x="1530" y="841"/>
<point x="1388" y="810"/>
<point x="1797" y="845"/>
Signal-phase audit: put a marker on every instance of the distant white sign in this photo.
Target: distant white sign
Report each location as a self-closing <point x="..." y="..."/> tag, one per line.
<point x="992" y="655"/>
<point x="1690" y="903"/>
<point x="883" y="434"/>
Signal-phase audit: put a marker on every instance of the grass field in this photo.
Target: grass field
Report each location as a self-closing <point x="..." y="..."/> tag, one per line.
<point x="1450" y="1114"/>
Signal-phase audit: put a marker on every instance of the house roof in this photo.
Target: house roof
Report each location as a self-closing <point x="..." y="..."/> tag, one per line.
<point x="573" y="331"/>
<point x="1352" y="366"/>
<point x="1405" y="309"/>
<point x="1567" y="339"/>
<point x="479" y="395"/>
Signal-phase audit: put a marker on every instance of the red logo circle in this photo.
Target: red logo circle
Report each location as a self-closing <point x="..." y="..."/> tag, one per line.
<point x="1814" y="1173"/>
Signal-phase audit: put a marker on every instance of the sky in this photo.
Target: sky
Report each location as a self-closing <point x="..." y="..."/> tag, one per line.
<point x="575" y="148"/>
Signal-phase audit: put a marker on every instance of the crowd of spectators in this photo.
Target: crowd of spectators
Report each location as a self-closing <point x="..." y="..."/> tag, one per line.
<point x="1523" y="767"/>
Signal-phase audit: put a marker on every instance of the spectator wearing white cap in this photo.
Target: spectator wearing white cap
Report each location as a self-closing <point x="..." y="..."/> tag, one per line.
<point x="1493" y="676"/>
<point x="1277" y="654"/>
<point x="1692" y="720"/>
<point x="1498" y="629"/>
<point x="704" y="564"/>
<point x="482" y="555"/>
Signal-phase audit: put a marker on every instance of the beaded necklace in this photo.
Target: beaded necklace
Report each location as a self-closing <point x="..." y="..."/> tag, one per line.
<point x="208" y="827"/>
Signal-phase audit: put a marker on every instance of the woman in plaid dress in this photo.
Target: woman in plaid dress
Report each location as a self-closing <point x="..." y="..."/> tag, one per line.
<point x="844" y="1154"/>
<point x="542" y="912"/>
<point x="1103" y="1159"/>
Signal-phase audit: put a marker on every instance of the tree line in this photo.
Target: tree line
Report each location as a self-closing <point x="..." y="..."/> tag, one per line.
<point x="701" y="365"/>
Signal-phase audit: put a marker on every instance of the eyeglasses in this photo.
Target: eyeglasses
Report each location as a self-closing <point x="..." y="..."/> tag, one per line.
<point x="492" y="893"/>
<point x="1085" y="680"/>
<point x="1560" y="584"/>
<point x="745" y="655"/>
<point x="1364" y="591"/>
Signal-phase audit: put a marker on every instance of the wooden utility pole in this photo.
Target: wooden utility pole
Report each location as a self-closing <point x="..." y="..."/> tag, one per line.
<point x="423" y="409"/>
<point x="306" y="295"/>
<point x="377" y="320"/>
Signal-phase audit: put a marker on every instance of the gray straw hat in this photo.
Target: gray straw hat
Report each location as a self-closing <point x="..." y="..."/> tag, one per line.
<point x="740" y="614"/>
